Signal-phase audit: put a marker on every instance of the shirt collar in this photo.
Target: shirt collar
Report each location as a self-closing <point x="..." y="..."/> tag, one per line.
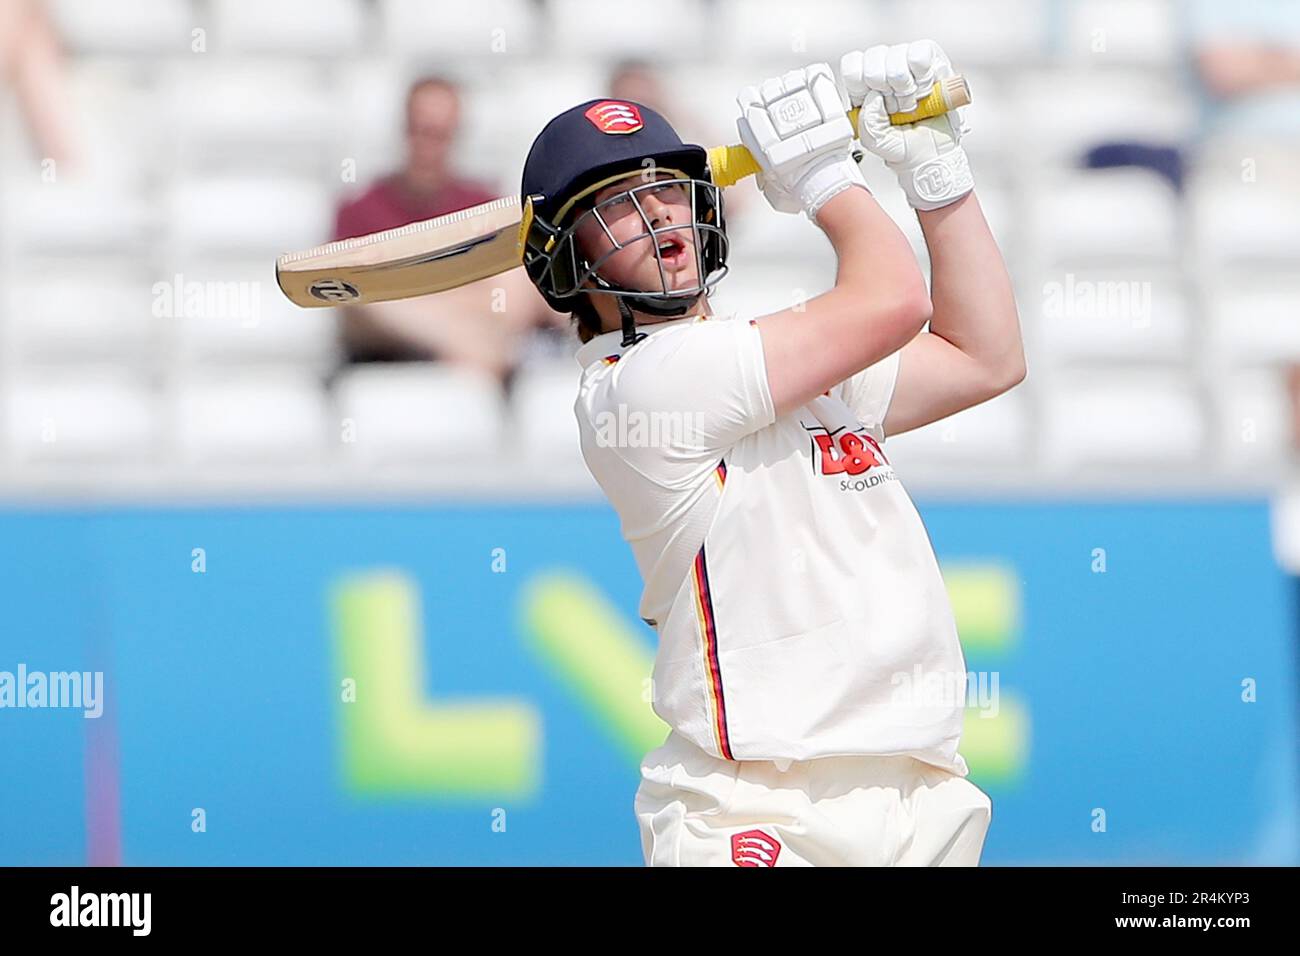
<point x="609" y="345"/>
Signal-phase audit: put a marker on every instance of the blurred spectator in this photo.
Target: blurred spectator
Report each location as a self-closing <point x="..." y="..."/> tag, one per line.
<point x="639" y="82"/>
<point x="636" y="80"/>
<point x="1247" y="55"/>
<point x="31" y="61"/>
<point x="484" y="324"/>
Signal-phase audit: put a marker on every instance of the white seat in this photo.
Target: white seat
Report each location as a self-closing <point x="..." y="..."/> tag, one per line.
<point x="1113" y="315"/>
<point x="541" y="412"/>
<point x="277" y="415"/>
<point x="412" y="412"/>
<point x="83" y="313"/>
<point x="1255" y="420"/>
<point x="991" y="433"/>
<point x="759" y="286"/>
<point x="71" y="216"/>
<point x="1072" y="110"/>
<point x="1104" y="215"/>
<point x="310" y="27"/>
<point x="236" y="215"/>
<point x="1247" y="222"/>
<point x="504" y="109"/>
<point x="142" y="26"/>
<point x="482" y="28"/>
<point x="579" y="27"/>
<point x="758" y="231"/>
<point x="748" y="31"/>
<point x="794" y="34"/>
<point x="247" y="103"/>
<point x="235" y="313"/>
<point x="1111" y="32"/>
<point x="86" y="414"/>
<point x="702" y="99"/>
<point x="118" y="140"/>
<point x="1096" y="420"/>
<point x="1255" y="317"/>
<point x="991" y="31"/>
<point x="368" y="101"/>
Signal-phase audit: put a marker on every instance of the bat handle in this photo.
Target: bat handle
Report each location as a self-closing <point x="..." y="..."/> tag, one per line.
<point x="730" y="164"/>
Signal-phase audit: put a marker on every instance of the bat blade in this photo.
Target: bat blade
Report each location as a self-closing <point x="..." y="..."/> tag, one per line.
<point x="416" y="259"/>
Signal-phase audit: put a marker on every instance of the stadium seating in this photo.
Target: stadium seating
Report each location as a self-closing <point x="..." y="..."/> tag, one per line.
<point x="141" y="323"/>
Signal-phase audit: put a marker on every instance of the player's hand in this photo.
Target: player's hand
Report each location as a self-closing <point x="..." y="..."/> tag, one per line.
<point x="796" y="128"/>
<point x="927" y="156"/>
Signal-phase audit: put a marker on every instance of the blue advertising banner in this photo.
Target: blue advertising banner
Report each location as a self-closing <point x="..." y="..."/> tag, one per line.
<point x="360" y="685"/>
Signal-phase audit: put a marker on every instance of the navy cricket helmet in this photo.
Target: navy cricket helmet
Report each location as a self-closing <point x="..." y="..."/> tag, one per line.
<point x="579" y="153"/>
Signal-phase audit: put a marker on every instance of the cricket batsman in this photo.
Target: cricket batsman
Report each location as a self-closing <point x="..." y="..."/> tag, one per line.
<point x="808" y="663"/>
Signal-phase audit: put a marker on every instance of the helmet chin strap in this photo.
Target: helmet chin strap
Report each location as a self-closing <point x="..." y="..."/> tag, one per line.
<point x="630" y="335"/>
<point x="650" y="306"/>
<point x="647" y="303"/>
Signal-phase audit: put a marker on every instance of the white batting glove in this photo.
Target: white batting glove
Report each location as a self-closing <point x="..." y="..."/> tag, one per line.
<point x="927" y="155"/>
<point x="796" y="128"/>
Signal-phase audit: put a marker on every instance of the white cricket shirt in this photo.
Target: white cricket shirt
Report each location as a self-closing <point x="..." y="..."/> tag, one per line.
<point x="797" y="599"/>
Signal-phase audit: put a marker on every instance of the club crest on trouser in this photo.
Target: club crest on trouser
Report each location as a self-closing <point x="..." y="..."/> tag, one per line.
<point x="615" y="116"/>
<point x="754" y="848"/>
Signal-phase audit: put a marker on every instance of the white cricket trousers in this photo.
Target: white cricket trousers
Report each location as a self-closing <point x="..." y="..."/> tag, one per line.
<point x="695" y="809"/>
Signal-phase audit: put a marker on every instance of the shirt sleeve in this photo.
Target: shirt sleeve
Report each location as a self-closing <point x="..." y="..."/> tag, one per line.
<point x="869" y="392"/>
<point x="692" y="391"/>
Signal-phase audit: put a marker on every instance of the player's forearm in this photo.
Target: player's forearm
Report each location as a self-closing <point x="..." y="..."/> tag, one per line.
<point x="971" y="291"/>
<point x="876" y="271"/>
<point x="877" y="306"/>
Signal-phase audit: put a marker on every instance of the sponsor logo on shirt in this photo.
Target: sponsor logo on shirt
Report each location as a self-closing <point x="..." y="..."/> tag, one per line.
<point x="854" y="457"/>
<point x="847" y="453"/>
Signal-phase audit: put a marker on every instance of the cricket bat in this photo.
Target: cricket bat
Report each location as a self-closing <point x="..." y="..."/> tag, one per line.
<point x="484" y="240"/>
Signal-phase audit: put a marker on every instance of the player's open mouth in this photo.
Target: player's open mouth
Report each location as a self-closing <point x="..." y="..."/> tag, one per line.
<point x="673" y="252"/>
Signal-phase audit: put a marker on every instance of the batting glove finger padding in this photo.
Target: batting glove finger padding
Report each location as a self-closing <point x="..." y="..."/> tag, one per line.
<point x="796" y="128"/>
<point x="927" y="156"/>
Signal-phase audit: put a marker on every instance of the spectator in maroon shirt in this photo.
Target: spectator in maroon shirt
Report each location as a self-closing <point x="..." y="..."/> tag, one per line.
<point x="483" y="324"/>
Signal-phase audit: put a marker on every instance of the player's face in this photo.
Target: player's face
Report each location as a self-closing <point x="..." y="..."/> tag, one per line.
<point x="667" y="207"/>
